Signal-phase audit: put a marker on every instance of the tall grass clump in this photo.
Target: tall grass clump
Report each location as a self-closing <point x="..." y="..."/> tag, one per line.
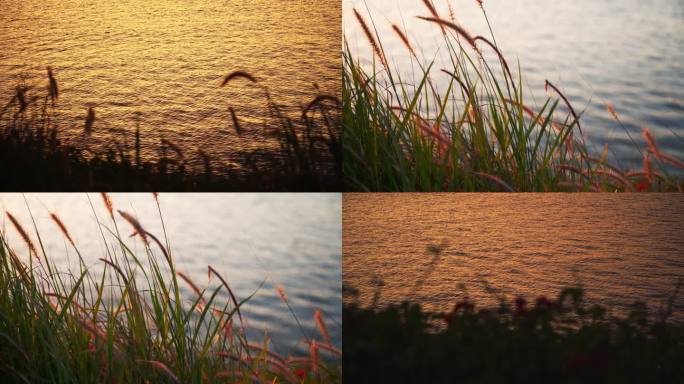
<point x="125" y="318"/>
<point x="561" y="340"/>
<point x="481" y="133"/>
<point x="306" y="153"/>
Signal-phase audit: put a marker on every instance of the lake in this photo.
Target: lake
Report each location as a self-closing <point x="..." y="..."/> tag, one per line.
<point x="627" y="53"/>
<point x="621" y="248"/>
<point x="160" y="63"/>
<point x="291" y="240"/>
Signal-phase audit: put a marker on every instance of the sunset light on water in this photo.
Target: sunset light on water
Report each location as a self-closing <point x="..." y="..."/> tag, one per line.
<point x="159" y="65"/>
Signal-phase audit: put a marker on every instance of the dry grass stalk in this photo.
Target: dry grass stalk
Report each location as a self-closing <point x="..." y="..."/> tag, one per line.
<point x="452" y="14"/>
<point x="21" y="267"/>
<point x="616" y="176"/>
<point x="266" y="351"/>
<point x="139" y="230"/>
<point x="525" y="109"/>
<point x="457" y="28"/>
<point x="501" y="57"/>
<point x="611" y="110"/>
<point x="238" y="74"/>
<point x="433" y="12"/>
<point x="206" y="160"/>
<point x="62" y="228"/>
<point x="278" y="364"/>
<point x="173" y="146"/>
<point x="193" y="286"/>
<point x="572" y="110"/>
<point x="24" y="235"/>
<point x="108" y="203"/>
<point x="313" y="352"/>
<point x="321" y="327"/>
<point x="648" y="169"/>
<point x="404" y="39"/>
<point x="236" y="122"/>
<point x="325" y="347"/>
<point x="20" y="96"/>
<point x="371" y="39"/>
<point x="116" y="268"/>
<point x="460" y="82"/>
<point x="53" y="90"/>
<point x="238" y="376"/>
<point x="673" y="160"/>
<point x="162" y="368"/>
<point x="281" y="293"/>
<point x="496" y="180"/>
<point x="318" y="100"/>
<point x="652" y="147"/>
<point x="230" y="291"/>
<point x="90" y="120"/>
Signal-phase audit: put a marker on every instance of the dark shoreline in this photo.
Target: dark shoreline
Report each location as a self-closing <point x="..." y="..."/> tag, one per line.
<point x="562" y="340"/>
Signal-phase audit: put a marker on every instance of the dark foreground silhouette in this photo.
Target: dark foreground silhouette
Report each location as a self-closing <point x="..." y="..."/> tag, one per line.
<point x="33" y="157"/>
<point x="561" y="341"/>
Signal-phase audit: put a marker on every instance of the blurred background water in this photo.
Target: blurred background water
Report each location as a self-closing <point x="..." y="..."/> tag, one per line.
<point x="291" y="240"/>
<point x="160" y="63"/>
<point x="437" y="248"/>
<point x="624" y="52"/>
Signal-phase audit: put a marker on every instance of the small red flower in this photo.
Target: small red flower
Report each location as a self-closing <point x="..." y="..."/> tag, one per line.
<point x="300" y="372"/>
<point x="643" y="186"/>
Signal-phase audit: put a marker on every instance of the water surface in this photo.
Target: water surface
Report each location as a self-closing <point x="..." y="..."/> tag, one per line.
<point x="624" y="52"/>
<point x="160" y="63"/>
<point x="292" y="240"/>
<point x="621" y="248"/>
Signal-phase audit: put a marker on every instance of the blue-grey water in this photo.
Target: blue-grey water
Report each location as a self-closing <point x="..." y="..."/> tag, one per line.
<point x="291" y="240"/>
<point x="161" y="63"/>
<point x="626" y="53"/>
<point x="620" y="248"/>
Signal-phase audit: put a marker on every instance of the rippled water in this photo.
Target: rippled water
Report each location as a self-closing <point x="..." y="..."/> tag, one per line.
<point x="165" y="59"/>
<point x="292" y="240"/>
<point x="624" y="52"/>
<point x="622" y="248"/>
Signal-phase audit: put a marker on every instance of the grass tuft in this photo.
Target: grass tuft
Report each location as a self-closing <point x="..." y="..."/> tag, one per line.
<point x="305" y="154"/>
<point x="564" y="340"/>
<point x="480" y="133"/>
<point x="126" y="319"/>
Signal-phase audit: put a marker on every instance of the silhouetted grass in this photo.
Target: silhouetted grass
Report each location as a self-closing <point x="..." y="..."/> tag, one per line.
<point x="125" y="319"/>
<point x="479" y="134"/>
<point x="549" y="341"/>
<point x="33" y="157"/>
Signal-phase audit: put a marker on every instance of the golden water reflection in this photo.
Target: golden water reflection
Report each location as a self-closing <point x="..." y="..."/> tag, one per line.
<point x="438" y="248"/>
<point x="165" y="60"/>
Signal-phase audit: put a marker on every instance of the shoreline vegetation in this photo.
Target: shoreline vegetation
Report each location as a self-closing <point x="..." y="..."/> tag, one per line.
<point x="125" y="318"/>
<point x="480" y="134"/>
<point x="562" y="340"/>
<point x="33" y="156"/>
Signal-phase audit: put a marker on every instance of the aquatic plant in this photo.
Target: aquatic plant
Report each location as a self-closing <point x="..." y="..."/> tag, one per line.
<point x="480" y="134"/>
<point x="125" y="318"/>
